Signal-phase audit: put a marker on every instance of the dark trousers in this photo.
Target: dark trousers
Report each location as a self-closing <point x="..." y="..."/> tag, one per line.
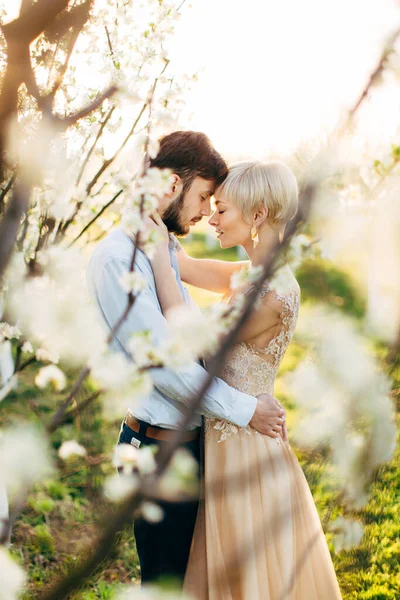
<point x="163" y="548"/>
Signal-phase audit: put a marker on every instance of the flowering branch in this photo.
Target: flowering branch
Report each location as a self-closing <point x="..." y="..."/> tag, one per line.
<point x="91" y="150"/>
<point x="10" y="224"/>
<point x="103" y="209"/>
<point x="375" y="75"/>
<point x="6" y="190"/>
<point x="109" y="161"/>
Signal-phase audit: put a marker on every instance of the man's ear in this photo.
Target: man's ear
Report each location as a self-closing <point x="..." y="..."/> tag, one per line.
<point x="176" y="187"/>
<point x="260" y="216"/>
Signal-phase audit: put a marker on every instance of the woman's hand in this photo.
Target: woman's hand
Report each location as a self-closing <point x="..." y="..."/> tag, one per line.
<point x="156" y="223"/>
<point x="168" y="292"/>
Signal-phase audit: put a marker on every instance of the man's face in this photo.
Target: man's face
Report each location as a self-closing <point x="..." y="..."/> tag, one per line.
<point x="189" y="207"/>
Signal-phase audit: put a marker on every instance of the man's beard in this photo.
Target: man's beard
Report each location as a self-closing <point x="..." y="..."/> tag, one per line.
<point x="172" y="216"/>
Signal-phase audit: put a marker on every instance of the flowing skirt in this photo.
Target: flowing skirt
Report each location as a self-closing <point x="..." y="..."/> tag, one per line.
<point x="258" y="535"/>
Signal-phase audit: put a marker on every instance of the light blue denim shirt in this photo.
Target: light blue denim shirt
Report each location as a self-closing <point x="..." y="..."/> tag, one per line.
<point x="172" y="389"/>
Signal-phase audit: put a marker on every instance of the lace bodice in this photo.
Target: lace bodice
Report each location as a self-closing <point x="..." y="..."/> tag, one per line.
<point x="253" y="370"/>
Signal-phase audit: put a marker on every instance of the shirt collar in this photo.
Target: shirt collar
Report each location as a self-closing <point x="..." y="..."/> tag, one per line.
<point x="173" y="242"/>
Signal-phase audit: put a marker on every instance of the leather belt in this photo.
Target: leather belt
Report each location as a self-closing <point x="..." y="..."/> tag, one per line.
<point x="164" y="435"/>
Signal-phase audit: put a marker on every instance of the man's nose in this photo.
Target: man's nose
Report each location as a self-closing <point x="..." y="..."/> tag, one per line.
<point x="206" y="209"/>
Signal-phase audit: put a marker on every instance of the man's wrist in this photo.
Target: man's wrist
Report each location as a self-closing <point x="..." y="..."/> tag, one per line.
<point x="247" y="410"/>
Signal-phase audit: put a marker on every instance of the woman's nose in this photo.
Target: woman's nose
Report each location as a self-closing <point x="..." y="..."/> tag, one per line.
<point x="213" y="221"/>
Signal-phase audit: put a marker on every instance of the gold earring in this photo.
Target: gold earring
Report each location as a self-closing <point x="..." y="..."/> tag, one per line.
<point x="254" y="236"/>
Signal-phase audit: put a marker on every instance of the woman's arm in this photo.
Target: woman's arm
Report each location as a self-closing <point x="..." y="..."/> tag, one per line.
<point x="168" y="291"/>
<point x="206" y="273"/>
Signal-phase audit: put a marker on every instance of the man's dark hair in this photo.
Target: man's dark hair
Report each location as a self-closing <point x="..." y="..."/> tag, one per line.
<point x="190" y="154"/>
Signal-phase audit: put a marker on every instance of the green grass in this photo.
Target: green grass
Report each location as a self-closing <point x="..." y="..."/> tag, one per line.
<point x="61" y="517"/>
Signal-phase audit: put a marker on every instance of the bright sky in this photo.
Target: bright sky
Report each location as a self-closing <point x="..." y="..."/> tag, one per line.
<point x="278" y="72"/>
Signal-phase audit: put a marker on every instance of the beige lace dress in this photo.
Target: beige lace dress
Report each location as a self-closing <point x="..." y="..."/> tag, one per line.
<point x="258" y="535"/>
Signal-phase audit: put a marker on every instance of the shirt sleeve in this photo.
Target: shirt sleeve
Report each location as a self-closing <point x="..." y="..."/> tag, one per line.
<point x="220" y="400"/>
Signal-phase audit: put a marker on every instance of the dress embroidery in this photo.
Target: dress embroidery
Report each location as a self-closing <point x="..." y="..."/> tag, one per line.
<point x="253" y="370"/>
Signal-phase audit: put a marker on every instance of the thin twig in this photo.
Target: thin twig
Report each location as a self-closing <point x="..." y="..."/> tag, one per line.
<point x="6" y="190"/>
<point x="64" y="123"/>
<point x="82" y="15"/>
<point x="109" y="161"/>
<point x="95" y="218"/>
<point x="59" y="415"/>
<point x="375" y="75"/>
<point x="71" y="414"/>
<point x="91" y="150"/>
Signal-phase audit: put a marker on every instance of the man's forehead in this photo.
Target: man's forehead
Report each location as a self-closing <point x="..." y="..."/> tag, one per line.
<point x="205" y="185"/>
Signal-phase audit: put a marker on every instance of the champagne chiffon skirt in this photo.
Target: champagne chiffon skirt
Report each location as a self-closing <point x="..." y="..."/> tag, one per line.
<point x="258" y="535"/>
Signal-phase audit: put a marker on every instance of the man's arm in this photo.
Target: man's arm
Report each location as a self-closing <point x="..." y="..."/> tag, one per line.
<point x="220" y="401"/>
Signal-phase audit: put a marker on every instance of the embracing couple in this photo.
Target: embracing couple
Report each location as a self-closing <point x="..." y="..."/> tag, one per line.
<point x="256" y="534"/>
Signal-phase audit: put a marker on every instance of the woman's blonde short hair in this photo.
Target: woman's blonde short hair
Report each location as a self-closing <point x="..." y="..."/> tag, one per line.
<point x="251" y="184"/>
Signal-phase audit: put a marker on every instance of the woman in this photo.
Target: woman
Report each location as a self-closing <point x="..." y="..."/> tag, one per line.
<point x="258" y="534"/>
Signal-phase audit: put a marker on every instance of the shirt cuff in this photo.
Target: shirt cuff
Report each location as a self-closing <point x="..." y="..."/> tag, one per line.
<point x="244" y="410"/>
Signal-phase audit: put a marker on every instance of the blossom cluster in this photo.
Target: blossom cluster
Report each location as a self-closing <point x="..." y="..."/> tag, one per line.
<point x="345" y="401"/>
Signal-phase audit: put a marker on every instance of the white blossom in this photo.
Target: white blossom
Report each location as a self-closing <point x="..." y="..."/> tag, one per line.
<point x="128" y="458"/>
<point x="146" y="461"/>
<point x="244" y="277"/>
<point x="112" y="370"/>
<point x="189" y="339"/>
<point x="6" y="363"/>
<point x="153" y="148"/>
<point x="348" y="533"/>
<point x="132" y="222"/>
<point x="51" y="318"/>
<point x="149" y="241"/>
<point x="345" y="402"/>
<point x="117" y="488"/>
<point x="27" y="347"/>
<point x="9" y="332"/>
<point x="282" y="280"/>
<point x="51" y="375"/>
<point x="184" y="463"/>
<point x="157" y="182"/>
<point x="12" y="577"/>
<point x="125" y="457"/>
<point x="24" y="458"/>
<point x="151" y="512"/>
<point x="144" y="353"/>
<point x="134" y="282"/>
<point x="144" y="201"/>
<point x="71" y="448"/>
<point x="181" y="478"/>
<point x="44" y="355"/>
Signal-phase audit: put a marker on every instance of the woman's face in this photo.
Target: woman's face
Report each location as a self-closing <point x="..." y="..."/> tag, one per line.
<point x="232" y="229"/>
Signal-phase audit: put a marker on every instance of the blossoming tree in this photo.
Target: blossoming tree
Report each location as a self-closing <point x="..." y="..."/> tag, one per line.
<point x="74" y="151"/>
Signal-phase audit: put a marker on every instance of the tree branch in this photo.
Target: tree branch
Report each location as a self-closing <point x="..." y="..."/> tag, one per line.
<point x="6" y="190"/>
<point x="11" y="221"/>
<point x="64" y="123"/>
<point x="91" y="150"/>
<point x="81" y="15"/>
<point x="95" y="218"/>
<point x="33" y="21"/>
<point x="109" y="161"/>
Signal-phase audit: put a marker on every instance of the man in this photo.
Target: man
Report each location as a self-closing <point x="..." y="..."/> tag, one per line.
<point x="197" y="169"/>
